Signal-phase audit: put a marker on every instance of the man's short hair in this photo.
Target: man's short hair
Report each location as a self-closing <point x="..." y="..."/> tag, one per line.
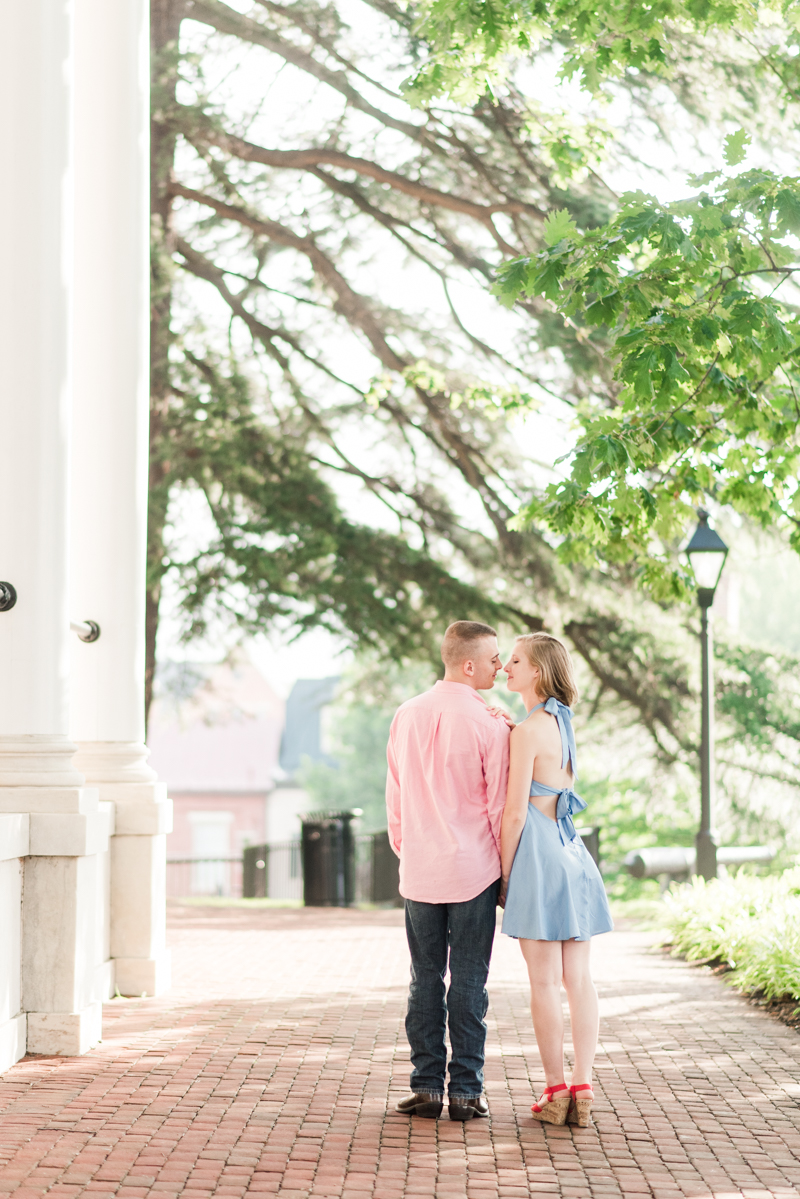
<point x="461" y="638"/>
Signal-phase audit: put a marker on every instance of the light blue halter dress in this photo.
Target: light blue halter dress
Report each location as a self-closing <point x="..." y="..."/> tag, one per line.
<point x="555" y="892"/>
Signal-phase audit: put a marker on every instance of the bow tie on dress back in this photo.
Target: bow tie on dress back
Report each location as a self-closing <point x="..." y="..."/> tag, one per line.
<point x="568" y="803"/>
<point x="563" y="715"/>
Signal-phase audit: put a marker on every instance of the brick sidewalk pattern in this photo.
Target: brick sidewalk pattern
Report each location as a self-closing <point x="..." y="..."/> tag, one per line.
<point x="272" y="1068"/>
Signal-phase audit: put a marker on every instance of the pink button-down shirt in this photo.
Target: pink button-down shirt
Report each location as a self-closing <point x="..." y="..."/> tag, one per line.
<point x="445" y="792"/>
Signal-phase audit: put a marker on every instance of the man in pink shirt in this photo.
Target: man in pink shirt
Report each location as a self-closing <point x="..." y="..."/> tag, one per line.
<point x="445" y="792"/>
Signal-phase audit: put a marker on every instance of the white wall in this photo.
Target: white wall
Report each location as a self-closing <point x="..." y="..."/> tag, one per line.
<point x="285" y="805"/>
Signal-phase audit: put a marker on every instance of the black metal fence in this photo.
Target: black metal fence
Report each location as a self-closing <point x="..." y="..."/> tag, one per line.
<point x="204" y="876"/>
<point x="272" y="871"/>
<point x="330" y="867"/>
<point x="369" y="873"/>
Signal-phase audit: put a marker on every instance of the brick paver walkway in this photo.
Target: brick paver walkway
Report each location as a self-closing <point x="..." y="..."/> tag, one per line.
<point x="273" y="1065"/>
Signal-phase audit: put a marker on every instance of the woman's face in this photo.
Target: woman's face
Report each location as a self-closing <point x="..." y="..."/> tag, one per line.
<point x="521" y="675"/>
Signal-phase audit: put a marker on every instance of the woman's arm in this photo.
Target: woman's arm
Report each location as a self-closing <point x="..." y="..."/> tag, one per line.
<point x="520" y="773"/>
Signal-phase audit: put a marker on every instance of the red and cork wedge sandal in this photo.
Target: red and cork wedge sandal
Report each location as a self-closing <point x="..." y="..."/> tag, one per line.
<point x="580" y="1110"/>
<point x="554" y="1111"/>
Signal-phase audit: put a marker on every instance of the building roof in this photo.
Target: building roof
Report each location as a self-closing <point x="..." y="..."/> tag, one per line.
<point x="302" y="734"/>
<point x="216" y="727"/>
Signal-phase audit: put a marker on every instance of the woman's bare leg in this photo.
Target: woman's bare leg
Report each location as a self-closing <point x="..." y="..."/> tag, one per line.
<point x="545" y="969"/>
<point x="583" y="1008"/>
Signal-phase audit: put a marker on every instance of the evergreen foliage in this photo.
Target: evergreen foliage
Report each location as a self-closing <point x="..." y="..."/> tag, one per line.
<point x="283" y="548"/>
<point x="758" y="699"/>
<point x="354" y="441"/>
<point x="319" y="365"/>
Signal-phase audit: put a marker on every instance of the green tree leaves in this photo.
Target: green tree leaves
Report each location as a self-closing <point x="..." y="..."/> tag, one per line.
<point x="687" y="296"/>
<point x="557" y="226"/>
<point x="736" y="147"/>
<point x="472" y="43"/>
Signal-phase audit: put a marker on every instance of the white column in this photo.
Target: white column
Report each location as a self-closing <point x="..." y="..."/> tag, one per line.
<point x="67" y="829"/>
<point x="109" y="471"/>
<point x="14" y="845"/>
<point x="35" y="219"/>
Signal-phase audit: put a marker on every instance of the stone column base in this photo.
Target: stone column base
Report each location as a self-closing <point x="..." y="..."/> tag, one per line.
<point x="12" y="1041"/>
<point x="105" y="981"/>
<point x="65" y="1034"/>
<point x="138" y="861"/>
<point x="144" y="976"/>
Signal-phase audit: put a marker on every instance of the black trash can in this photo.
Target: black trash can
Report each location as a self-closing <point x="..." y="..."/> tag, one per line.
<point x="329" y="860"/>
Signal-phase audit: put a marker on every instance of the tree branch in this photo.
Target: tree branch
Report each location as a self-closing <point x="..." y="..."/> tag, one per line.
<point x="227" y="20"/>
<point x="314" y="156"/>
<point x="593" y="640"/>
<point x="348" y="302"/>
<point x="356" y="310"/>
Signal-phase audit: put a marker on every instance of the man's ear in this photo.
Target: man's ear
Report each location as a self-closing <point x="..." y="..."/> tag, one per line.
<point x="468" y="667"/>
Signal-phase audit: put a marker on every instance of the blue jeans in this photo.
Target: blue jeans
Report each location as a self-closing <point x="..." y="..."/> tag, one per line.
<point x="466" y="930"/>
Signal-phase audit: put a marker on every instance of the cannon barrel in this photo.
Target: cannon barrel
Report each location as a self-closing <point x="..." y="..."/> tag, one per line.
<point x="677" y="859"/>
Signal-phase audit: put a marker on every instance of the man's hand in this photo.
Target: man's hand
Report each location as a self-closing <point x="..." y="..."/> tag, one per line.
<point x="501" y="712"/>
<point x="501" y="898"/>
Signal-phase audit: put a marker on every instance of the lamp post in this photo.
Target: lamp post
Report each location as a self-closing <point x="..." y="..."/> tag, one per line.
<point x="706" y="553"/>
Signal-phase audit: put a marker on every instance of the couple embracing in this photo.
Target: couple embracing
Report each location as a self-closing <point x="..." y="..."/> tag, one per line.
<point x="480" y="814"/>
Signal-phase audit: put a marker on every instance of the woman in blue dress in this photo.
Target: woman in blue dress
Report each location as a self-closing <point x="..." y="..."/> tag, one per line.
<point x="552" y="892"/>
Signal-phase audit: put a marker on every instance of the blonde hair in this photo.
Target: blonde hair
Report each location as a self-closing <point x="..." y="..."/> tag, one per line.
<point x="557" y="676"/>
<point x="461" y="639"/>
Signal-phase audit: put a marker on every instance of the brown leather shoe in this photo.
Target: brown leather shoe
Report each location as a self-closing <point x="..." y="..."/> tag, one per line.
<point x="465" y="1109"/>
<point x="423" y="1104"/>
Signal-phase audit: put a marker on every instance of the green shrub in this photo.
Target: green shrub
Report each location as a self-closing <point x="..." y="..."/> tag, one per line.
<point x="748" y="923"/>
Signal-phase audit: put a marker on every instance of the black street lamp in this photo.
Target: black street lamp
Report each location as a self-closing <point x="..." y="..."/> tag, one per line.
<point x="706" y="553"/>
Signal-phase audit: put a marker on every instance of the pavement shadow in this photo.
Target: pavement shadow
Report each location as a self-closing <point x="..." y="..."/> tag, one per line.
<point x="194" y="916"/>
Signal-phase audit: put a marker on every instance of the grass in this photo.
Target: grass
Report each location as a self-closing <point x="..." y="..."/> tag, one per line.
<point x="748" y="924"/>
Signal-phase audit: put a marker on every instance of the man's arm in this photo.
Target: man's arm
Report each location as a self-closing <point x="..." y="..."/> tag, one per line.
<point x="495" y="773"/>
<point x="393" y="793"/>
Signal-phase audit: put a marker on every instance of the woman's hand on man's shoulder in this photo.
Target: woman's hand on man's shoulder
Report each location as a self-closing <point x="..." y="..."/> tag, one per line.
<point x="501" y="714"/>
